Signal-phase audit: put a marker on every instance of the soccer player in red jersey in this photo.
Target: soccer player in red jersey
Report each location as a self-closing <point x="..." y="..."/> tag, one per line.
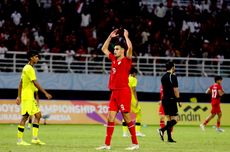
<point x="161" y="110"/>
<point x="216" y="92"/>
<point x="118" y="83"/>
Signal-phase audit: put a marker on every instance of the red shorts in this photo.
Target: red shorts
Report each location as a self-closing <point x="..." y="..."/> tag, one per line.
<point x="215" y="108"/>
<point x="161" y="110"/>
<point x="120" y="100"/>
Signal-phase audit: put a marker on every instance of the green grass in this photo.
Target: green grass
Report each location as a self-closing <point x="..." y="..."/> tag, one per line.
<point x="84" y="138"/>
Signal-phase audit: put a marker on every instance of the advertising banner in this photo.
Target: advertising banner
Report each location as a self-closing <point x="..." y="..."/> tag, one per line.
<point x="95" y="112"/>
<point x="59" y="112"/>
<point x="189" y="113"/>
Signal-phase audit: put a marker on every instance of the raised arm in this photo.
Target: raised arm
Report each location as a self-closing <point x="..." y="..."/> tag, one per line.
<point x="105" y="47"/>
<point x="129" y="52"/>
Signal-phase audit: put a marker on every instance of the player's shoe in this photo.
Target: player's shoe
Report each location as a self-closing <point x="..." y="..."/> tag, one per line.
<point x="139" y="134"/>
<point x="104" y="147"/>
<point x="161" y="133"/>
<point x="219" y="130"/>
<point x="37" y="141"/>
<point x="125" y="134"/>
<point x="171" y="140"/>
<point x="133" y="147"/>
<point x="23" y="143"/>
<point x="202" y="127"/>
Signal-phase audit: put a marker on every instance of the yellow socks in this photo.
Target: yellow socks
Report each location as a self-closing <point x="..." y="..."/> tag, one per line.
<point x="20" y="132"/>
<point x="35" y="130"/>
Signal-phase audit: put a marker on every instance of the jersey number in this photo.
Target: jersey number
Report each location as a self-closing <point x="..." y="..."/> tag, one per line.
<point x="214" y="93"/>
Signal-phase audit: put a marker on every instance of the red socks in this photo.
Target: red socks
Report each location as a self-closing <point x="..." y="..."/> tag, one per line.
<point x="162" y="124"/>
<point x="218" y="124"/>
<point x="110" y="129"/>
<point x="206" y="122"/>
<point x="109" y="133"/>
<point x="132" y="131"/>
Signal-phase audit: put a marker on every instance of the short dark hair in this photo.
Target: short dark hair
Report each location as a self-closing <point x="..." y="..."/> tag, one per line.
<point x="133" y="70"/>
<point x="218" y="78"/>
<point x="169" y="65"/>
<point x="121" y="42"/>
<point x="32" y="53"/>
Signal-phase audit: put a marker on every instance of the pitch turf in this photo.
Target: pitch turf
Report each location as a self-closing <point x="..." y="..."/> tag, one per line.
<point x="85" y="138"/>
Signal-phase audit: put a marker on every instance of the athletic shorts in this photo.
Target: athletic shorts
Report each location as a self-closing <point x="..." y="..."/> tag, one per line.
<point x="120" y="100"/>
<point x="215" y="108"/>
<point x="170" y="107"/>
<point x="161" y="110"/>
<point x="30" y="107"/>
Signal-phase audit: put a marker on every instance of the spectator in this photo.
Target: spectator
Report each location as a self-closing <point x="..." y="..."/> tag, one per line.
<point x="16" y="17"/>
<point x="3" y="51"/>
<point x="85" y="18"/>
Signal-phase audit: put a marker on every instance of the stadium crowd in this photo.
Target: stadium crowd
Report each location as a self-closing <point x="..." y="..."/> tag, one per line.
<point x="198" y="29"/>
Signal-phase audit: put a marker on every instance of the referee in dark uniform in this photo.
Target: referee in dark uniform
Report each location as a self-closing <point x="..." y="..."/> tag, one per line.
<point x="170" y="99"/>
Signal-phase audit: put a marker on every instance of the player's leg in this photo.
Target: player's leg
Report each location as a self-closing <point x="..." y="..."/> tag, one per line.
<point x="37" y="116"/>
<point x="35" y="130"/>
<point x="124" y="128"/>
<point x="162" y="116"/>
<point x="124" y="102"/>
<point x="134" y="110"/>
<point x="171" y="111"/>
<point x="109" y="131"/>
<point x="21" y="128"/>
<point x="131" y="127"/>
<point x="113" y="109"/>
<point x="25" y="112"/>
<point x="162" y="121"/>
<point x="138" y="123"/>
<point x="110" y="127"/>
<point x="210" y="117"/>
<point x="218" y="122"/>
<point x="206" y="121"/>
<point x="171" y="123"/>
<point x="29" y="124"/>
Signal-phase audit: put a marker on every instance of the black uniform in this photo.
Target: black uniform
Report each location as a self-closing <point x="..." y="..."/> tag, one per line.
<point x="169" y="102"/>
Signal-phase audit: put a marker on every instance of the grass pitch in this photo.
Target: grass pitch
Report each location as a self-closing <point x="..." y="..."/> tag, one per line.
<point x="85" y="138"/>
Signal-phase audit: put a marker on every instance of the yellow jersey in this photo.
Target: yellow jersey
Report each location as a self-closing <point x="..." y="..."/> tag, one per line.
<point x="132" y="83"/>
<point x="28" y="87"/>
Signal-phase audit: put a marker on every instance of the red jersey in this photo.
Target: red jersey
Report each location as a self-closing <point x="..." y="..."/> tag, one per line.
<point x="119" y="72"/>
<point x="161" y="92"/>
<point x="214" y="92"/>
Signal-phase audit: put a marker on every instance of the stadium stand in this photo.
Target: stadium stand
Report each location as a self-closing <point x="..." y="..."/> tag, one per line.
<point x="174" y="28"/>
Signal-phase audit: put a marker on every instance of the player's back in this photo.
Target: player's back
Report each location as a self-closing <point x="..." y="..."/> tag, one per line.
<point x="214" y="92"/>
